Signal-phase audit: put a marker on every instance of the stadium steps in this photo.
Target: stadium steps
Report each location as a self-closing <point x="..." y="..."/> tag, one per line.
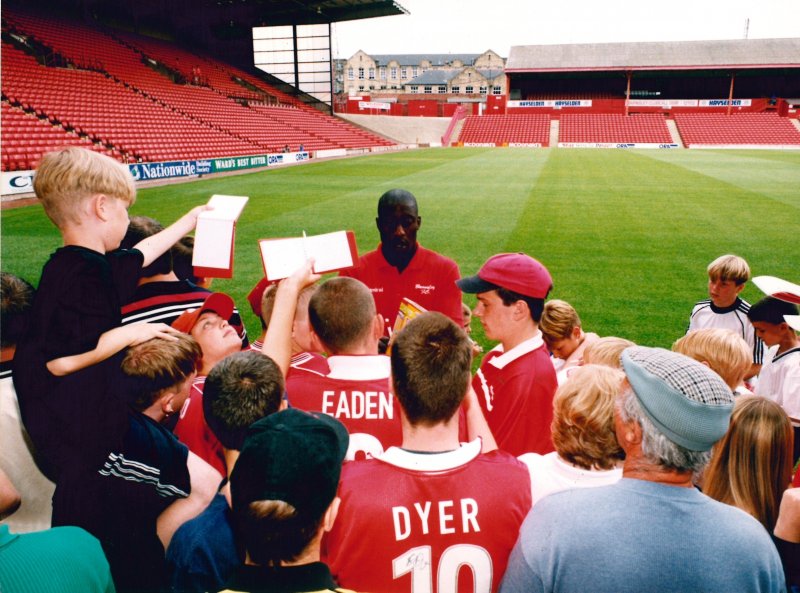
<point x="796" y="124"/>
<point x="673" y="131"/>
<point x="645" y="128"/>
<point x="457" y="129"/>
<point x="506" y="129"/>
<point x="554" y="127"/>
<point x="767" y="129"/>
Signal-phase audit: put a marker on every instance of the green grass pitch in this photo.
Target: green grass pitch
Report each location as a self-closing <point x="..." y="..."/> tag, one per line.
<point x="626" y="234"/>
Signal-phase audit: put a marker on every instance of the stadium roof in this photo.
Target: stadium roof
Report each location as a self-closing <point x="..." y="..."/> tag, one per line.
<point x="244" y="13"/>
<point x="672" y="55"/>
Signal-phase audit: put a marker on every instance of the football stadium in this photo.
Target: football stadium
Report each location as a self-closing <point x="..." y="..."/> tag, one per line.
<point x="613" y="176"/>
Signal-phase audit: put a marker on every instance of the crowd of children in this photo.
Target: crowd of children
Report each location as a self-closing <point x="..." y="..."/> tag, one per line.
<point x="148" y="445"/>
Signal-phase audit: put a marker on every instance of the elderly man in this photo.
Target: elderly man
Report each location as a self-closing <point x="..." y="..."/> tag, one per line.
<point x="652" y="531"/>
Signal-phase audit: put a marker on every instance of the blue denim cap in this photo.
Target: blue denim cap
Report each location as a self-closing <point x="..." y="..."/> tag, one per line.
<point x="687" y="402"/>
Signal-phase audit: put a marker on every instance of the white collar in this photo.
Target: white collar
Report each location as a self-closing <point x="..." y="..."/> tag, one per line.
<point x="517" y="351"/>
<point x="432" y="462"/>
<point x="359" y="367"/>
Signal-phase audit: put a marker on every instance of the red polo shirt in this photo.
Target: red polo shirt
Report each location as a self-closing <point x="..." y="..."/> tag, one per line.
<point x="429" y="280"/>
<point x="515" y="390"/>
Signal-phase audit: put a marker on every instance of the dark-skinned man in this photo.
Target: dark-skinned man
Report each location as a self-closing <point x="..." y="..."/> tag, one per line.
<point x="401" y="268"/>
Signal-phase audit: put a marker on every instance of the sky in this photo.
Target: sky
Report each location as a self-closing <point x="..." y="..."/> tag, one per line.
<point x="473" y="26"/>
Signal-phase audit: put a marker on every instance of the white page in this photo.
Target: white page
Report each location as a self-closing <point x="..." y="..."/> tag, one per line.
<point x="213" y="243"/>
<point x="225" y="207"/>
<point x="282" y="257"/>
<point x="330" y="251"/>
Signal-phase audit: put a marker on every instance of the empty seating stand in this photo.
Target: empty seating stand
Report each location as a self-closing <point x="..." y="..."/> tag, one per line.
<point x="109" y="99"/>
<point x="506" y="129"/>
<point x="767" y="129"/>
<point x="644" y="128"/>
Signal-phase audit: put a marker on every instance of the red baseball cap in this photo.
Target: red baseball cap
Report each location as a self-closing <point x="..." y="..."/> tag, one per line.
<point x="255" y="296"/>
<point x="218" y="302"/>
<point x="513" y="271"/>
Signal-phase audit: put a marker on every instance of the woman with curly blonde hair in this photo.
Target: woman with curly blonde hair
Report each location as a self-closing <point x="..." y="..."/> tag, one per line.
<point x="587" y="452"/>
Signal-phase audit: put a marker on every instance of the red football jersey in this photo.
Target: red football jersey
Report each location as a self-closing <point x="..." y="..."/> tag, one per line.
<point x="193" y="431"/>
<point x="428" y="523"/>
<point x="429" y="280"/>
<point x="358" y="392"/>
<point x="515" y="390"/>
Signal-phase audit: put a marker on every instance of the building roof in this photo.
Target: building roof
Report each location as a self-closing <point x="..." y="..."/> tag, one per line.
<point x="416" y="59"/>
<point x="672" y="55"/>
<point x="436" y="76"/>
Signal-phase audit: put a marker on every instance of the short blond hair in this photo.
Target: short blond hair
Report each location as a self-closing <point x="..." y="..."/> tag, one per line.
<point x="723" y="350"/>
<point x="66" y="177"/>
<point x="729" y="267"/>
<point x="583" y="417"/>
<point x="558" y="320"/>
<point x="606" y="351"/>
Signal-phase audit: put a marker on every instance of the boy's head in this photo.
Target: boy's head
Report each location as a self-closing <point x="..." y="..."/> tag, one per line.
<point x="727" y="276"/>
<point x="343" y="316"/>
<point x="561" y="328"/>
<point x="767" y="317"/>
<point x="606" y="351"/>
<point x="66" y="179"/>
<point x="511" y="288"/>
<point x="208" y="324"/>
<point x="16" y="300"/>
<point x="285" y="481"/>
<point x="302" y="338"/>
<point x="256" y="299"/>
<point x="139" y="228"/>
<point x="160" y="371"/>
<point x="182" y="253"/>
<point x="431" y="358"/>
<point x="239" y="390"/>
<point x="724" y="351"/>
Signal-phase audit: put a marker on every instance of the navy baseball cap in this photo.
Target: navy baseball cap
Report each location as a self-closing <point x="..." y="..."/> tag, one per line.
<point x="513" y="271"/>
<point x="293" y="456"/>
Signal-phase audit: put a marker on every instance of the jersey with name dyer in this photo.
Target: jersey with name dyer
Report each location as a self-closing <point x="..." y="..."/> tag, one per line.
<point x="428" y="522"/>
<point x="429" y="280"/>
<point x="357" y="391"/>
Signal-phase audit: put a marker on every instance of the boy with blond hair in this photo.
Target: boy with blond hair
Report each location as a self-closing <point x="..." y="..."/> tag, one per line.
<point x="727" y="276"/>
<point x="67" y="364"/>
<point x="722" y="350"/>
<point x="562" y="333"/>
<point x="606" y="351"/>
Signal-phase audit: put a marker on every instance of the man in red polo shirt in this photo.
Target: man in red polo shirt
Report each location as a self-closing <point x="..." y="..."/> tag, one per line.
<point x="516" y="380"/>
<point x="401" y="268"/>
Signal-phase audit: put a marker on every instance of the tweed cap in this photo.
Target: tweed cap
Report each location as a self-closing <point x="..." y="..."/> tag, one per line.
<point x="687" y="402"/>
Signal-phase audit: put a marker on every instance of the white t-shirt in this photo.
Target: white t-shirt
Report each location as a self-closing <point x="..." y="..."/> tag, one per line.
<point x="779" y="380"/>
<point x="550" y="473"/>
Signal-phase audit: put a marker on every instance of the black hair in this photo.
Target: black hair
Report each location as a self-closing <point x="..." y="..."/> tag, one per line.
<point x="771" y="310"/>
<point x="140" y="228"/>
<point x="535" y="305"/>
